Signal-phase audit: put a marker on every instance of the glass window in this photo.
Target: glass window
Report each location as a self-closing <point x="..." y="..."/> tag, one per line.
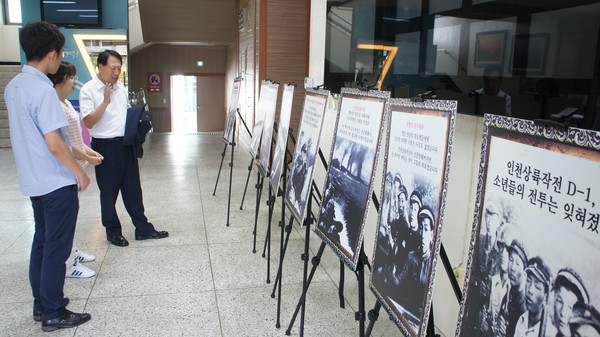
<point x="528" y="59"/>
<point x="12" y="12"/>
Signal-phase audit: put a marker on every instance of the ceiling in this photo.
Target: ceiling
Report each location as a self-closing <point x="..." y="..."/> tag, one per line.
<point x="186" y="22"/>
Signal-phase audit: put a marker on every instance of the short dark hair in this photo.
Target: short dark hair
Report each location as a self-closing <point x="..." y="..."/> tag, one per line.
<point x="38" y="38"/>
<point x="65" y="70"/>
<point x="103" y="56"/>
<point x="491" y="68"/>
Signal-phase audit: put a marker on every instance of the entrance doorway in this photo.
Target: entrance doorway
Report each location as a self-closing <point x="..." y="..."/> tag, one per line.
<point x="197" y="103"/>
<point x="184" y="104"/>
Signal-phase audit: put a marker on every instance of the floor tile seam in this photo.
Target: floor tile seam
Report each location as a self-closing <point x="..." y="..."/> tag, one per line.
<point x="270" y="286"/>
<point x="154" y="245"/>
<point x="14" y="241"/>
<point x="96" y="297"/>
<point x="212" y="273"/>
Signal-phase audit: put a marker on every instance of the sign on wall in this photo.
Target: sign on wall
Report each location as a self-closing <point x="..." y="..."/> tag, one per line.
<point x="154" y="82"/>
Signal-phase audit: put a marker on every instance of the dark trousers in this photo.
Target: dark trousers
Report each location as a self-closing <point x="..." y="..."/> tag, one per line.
<point x="55" y="216"/>
<point x="119" y="171"/>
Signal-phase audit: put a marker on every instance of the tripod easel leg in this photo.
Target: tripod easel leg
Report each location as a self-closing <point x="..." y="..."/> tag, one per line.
<point x="360" y="275"/>
<point x="341" y="285"/>
<point x="373" y="316"/>
<point x="259" y="181"/>
<point x="230" y="176"/>
<point x="267" y="246"/>
<point x="306" y="283"/>
<point x="247" y="180"/>
<point x="220" y="166"/>
<point x="282" y="250"/>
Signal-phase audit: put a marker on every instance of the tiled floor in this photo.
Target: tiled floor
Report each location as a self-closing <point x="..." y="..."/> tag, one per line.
<point x="203" y="280"/>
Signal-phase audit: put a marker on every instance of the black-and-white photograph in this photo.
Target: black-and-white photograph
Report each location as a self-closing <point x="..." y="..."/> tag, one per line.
<point x="532" y="267"/>
<point x="307" y="146"/>
<point x="282" y="136"/>
<point x="260" y="119"/>
<point x="270" y="105"/>
<point x="232" y="111"/>
<point x="349" y="175"/>
<point x="411" y="212"/>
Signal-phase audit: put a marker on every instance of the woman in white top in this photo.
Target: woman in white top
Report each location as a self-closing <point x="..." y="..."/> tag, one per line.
<point x="64" y="82"/>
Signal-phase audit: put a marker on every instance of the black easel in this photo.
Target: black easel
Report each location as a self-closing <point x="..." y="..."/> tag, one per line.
<point x="232" y="144"/>
<point x="271" y="204"/>
<point x="258" y="186"/>
<point x="251" y="160"/>
<point x="304" y="257"/>
<point x="287" y="229"/>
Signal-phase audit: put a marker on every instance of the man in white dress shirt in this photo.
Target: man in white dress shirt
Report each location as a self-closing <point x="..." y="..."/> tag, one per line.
<point x="103" y="104"/>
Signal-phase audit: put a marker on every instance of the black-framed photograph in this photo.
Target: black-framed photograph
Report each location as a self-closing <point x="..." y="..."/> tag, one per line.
<point x="270" y="105"/>
<point x="533" y="259"/>
<point x="490" y="48"/>
<point x="352" y="162"/>
<point x="413" y="198"/>
<point x="279" y="155"/>
<point x="307" y="147"/>
<point x="232" y="111"/>
<point x="260" y="112"/>
<point x="530" y="53"/>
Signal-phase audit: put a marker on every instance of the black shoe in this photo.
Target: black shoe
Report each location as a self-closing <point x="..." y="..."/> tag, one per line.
<point x="67" y="320"/>
<point x="153" y="235"/>
<point x="118" y="240"/>
<point x="37" y="314"/>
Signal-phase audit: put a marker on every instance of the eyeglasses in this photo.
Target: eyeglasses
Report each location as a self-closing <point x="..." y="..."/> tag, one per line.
<point x="75" y="78"/>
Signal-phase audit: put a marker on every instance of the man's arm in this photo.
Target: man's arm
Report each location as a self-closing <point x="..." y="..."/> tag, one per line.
<point x="61" y="151"/>
<point x="93" y="118"/>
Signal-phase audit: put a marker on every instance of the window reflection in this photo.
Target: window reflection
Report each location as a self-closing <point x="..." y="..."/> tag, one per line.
<point x="547" y="52"/>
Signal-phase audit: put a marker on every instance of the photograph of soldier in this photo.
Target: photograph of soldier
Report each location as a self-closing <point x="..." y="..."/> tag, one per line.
<point x="409" y="223"/>
<point x="404" y="247"/>
<point x="415" y="271"/>
<point x="568" y="290"/>
<point x="513" y="303"/>
<point x="536" y="294"/>
<point x="512" y="295"/>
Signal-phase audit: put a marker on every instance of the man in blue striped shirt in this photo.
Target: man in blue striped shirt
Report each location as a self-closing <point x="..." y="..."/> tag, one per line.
<point x="48" y="172"/>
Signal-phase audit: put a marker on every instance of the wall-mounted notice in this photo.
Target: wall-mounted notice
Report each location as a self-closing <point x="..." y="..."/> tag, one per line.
<point x="307" y="146"/>
<point x="533" y="261"/>
<point x="348" y="185"/>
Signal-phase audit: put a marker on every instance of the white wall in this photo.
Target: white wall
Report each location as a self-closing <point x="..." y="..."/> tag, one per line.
<point x="136" y="37"/>
<point x="9" y="41"/>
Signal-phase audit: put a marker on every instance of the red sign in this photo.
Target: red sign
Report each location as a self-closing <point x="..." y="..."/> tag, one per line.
<point x="154" y="82"/>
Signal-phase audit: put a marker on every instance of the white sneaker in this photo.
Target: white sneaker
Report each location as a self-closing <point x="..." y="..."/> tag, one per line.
<point x="78" y="270"/>
<point x="82" y="256"/>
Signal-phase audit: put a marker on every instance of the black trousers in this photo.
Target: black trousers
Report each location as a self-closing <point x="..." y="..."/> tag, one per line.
<point x="55" y="216"/>
<point x="119" y="172"/>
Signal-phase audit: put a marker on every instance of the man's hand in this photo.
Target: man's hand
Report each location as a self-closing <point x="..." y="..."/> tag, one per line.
<point x="107" y="90"/>
<point x="95" y="158"/>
